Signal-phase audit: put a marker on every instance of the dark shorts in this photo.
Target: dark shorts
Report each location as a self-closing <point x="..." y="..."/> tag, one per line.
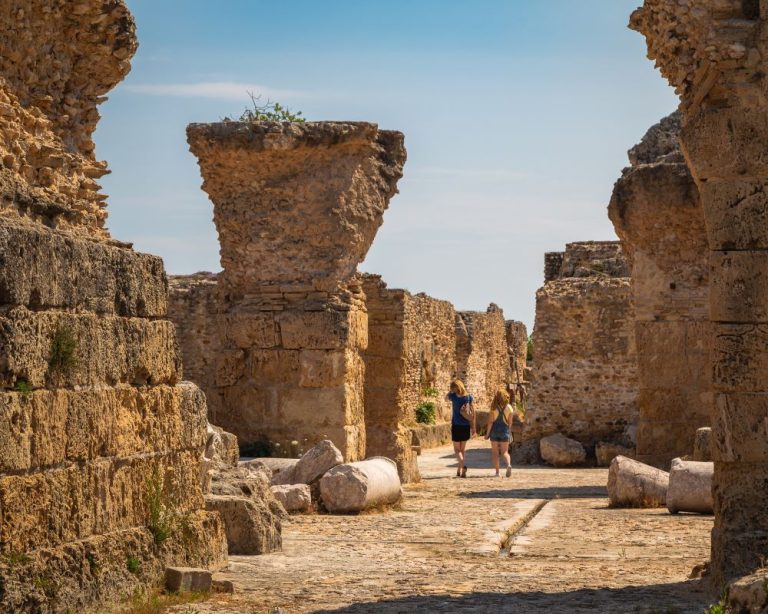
<point x="460" y="433"/>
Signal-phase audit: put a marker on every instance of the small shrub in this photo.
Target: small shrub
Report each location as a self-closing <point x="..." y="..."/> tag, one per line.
<point x="520" y="407"/>
<point x="529" y="351"/>
<point x="267" y="112"/>
<point x="163" y="515"/>
<point x="133" y="564"/>
<point x="431" y="392"/>
<point x="63" y="357"/>
<point x="15" y="559"/>
<point x="425" y="412"/>
<point x="24" y="387"/>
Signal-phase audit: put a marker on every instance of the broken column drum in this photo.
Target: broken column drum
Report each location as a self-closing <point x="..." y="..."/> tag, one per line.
<point x="296" y="207"/>
<point x="715" y="57"/>
<point x="657" y="213"/>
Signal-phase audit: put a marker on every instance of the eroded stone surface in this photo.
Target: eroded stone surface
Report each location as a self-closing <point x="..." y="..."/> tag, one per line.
<point x="657" y="213"/>
<point x="584" y="370"/>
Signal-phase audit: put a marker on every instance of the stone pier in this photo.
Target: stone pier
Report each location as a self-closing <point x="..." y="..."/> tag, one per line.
<point x="657" y="213"/>
<point x="715" y="57"/>
<point x="296" y="207"/>
<point x="584" y="382"/>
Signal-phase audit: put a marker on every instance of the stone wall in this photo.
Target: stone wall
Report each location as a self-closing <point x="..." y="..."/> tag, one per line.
<point x="291" y="322"/>
<point x="584" y="381"/>
<point x="93" y="413"/>
<point x="482" y="357"/>
<point x="517" y="349"/>
<point x="411" y="351"/>
<point x="715" y="57"/>
<point x="657" y="213"/>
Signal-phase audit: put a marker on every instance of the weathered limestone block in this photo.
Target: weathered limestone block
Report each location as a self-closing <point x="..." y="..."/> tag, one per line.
<point x="517" y="348"/>
<point x="690" y="487"/>
<point x="559" y="451"/>
<point x="634" y="484"/>
<point x="606" y="452"/>
<point x="657" y="213"/>
<point x="93" y="350"/>
<point x="715" y="58"/>
<point x="316" y="462"/>
<point x="221" y="447"/>
<point x="40" y="268"/>
<point x="47" y="428"/>
<point x="355" y="487"/>
<point x="250" y="527"/>
<point x="749" y="594"/>
<point x="411" y="352"/>
<point x="293" y="497"/>
<point x="482" y="356"/>
<point x="584" y="381"/>
<point x="702" y="445"/>
<point x="188" y="579"/>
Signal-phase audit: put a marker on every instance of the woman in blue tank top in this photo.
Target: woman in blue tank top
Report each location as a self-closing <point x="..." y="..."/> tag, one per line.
<point x="462" y="429"/>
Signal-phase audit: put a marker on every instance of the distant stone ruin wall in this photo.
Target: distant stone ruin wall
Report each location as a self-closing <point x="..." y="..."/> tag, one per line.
<point x="517" y="348"/>
<point x="93" y="416"/>
<point x="296" y="207"/>
<point x="481" y="353"/>
<point x="584" y="369"/>
<point x="52" y="78"/>
<point x="657" y="212"/>
<point x="411" y="349"/>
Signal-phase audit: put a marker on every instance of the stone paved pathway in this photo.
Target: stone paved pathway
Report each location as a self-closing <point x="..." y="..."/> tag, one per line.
<point x="440" y="551"/>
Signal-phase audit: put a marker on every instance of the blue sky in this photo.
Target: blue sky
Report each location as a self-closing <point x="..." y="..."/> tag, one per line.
<point x="517" y="116"/>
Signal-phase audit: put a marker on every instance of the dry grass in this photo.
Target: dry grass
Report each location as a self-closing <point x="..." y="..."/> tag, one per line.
<point x="156" y="601"/>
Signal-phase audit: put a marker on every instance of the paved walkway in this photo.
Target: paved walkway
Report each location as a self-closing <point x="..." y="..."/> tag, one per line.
<point x="441" y="551"/>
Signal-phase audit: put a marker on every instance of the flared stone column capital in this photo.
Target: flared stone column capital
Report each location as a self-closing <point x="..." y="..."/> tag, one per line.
<point x="296" y="205"/>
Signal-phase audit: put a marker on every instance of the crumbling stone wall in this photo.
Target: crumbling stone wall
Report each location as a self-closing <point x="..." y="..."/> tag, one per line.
<point x="411" y="351"/>
<point x="517" y="349"/>
<point x="715" y="57"/>
<point x="584" y="368"/>
<point x="92" y="411"/>
<point x="482" y="357"/>
<point x="657" y="213"/>
<point x="58" y="58"/>
<point x="296" y="207"/>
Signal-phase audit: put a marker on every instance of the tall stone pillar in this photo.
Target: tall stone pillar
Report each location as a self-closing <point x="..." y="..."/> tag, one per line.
<point x="714" y="54"/>
<point x="297" y="207"/>
<point x="657" y="213"/>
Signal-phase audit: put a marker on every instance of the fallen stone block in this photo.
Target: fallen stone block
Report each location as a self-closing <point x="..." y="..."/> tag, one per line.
<point x="223" y="586"/>
<point x="690" y="487"/>
<point x="749" y="594"/>
<point x="606" y="452"/>
<point x="559" y="451"/>
<point x="355" y="487"/>
<point x="634" y="484"/>
<point x="702" y="445"/>
<point x="188" y="579"/>
<point x="316" y="462"/>
<point x="221" y="446"/>
<point x="525" y="452"/>
<point x="285" y="473"/>
<point x="251" y="528"/>
<point x="294" y="497"/>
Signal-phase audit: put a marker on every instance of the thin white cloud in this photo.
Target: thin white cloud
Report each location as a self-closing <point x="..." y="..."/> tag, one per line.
<point x="221" y="90"/>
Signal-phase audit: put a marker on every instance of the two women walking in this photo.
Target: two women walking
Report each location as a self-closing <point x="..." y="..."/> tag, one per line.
<point x="463" y="426"/>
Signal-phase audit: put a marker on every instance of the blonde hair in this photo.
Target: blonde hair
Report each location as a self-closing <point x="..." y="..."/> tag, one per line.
<point x="459" y="388"/>
<point x="501" y="400"/>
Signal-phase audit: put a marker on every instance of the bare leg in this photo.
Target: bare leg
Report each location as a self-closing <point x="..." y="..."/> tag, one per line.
<point x="458" y="450"/>
<point x="503" y="450"/>
<point x="463" y="446"/>
<point x="495" y="456"/>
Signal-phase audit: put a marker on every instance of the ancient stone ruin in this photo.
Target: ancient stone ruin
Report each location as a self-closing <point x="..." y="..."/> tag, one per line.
<point x="657" y="213"/>
<point x="286" y="322"/>
<point x="584" y="381"/>
<point x="102" y="443"/>
<point x="410" y="359"/>
<point x="714" y="56"/>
